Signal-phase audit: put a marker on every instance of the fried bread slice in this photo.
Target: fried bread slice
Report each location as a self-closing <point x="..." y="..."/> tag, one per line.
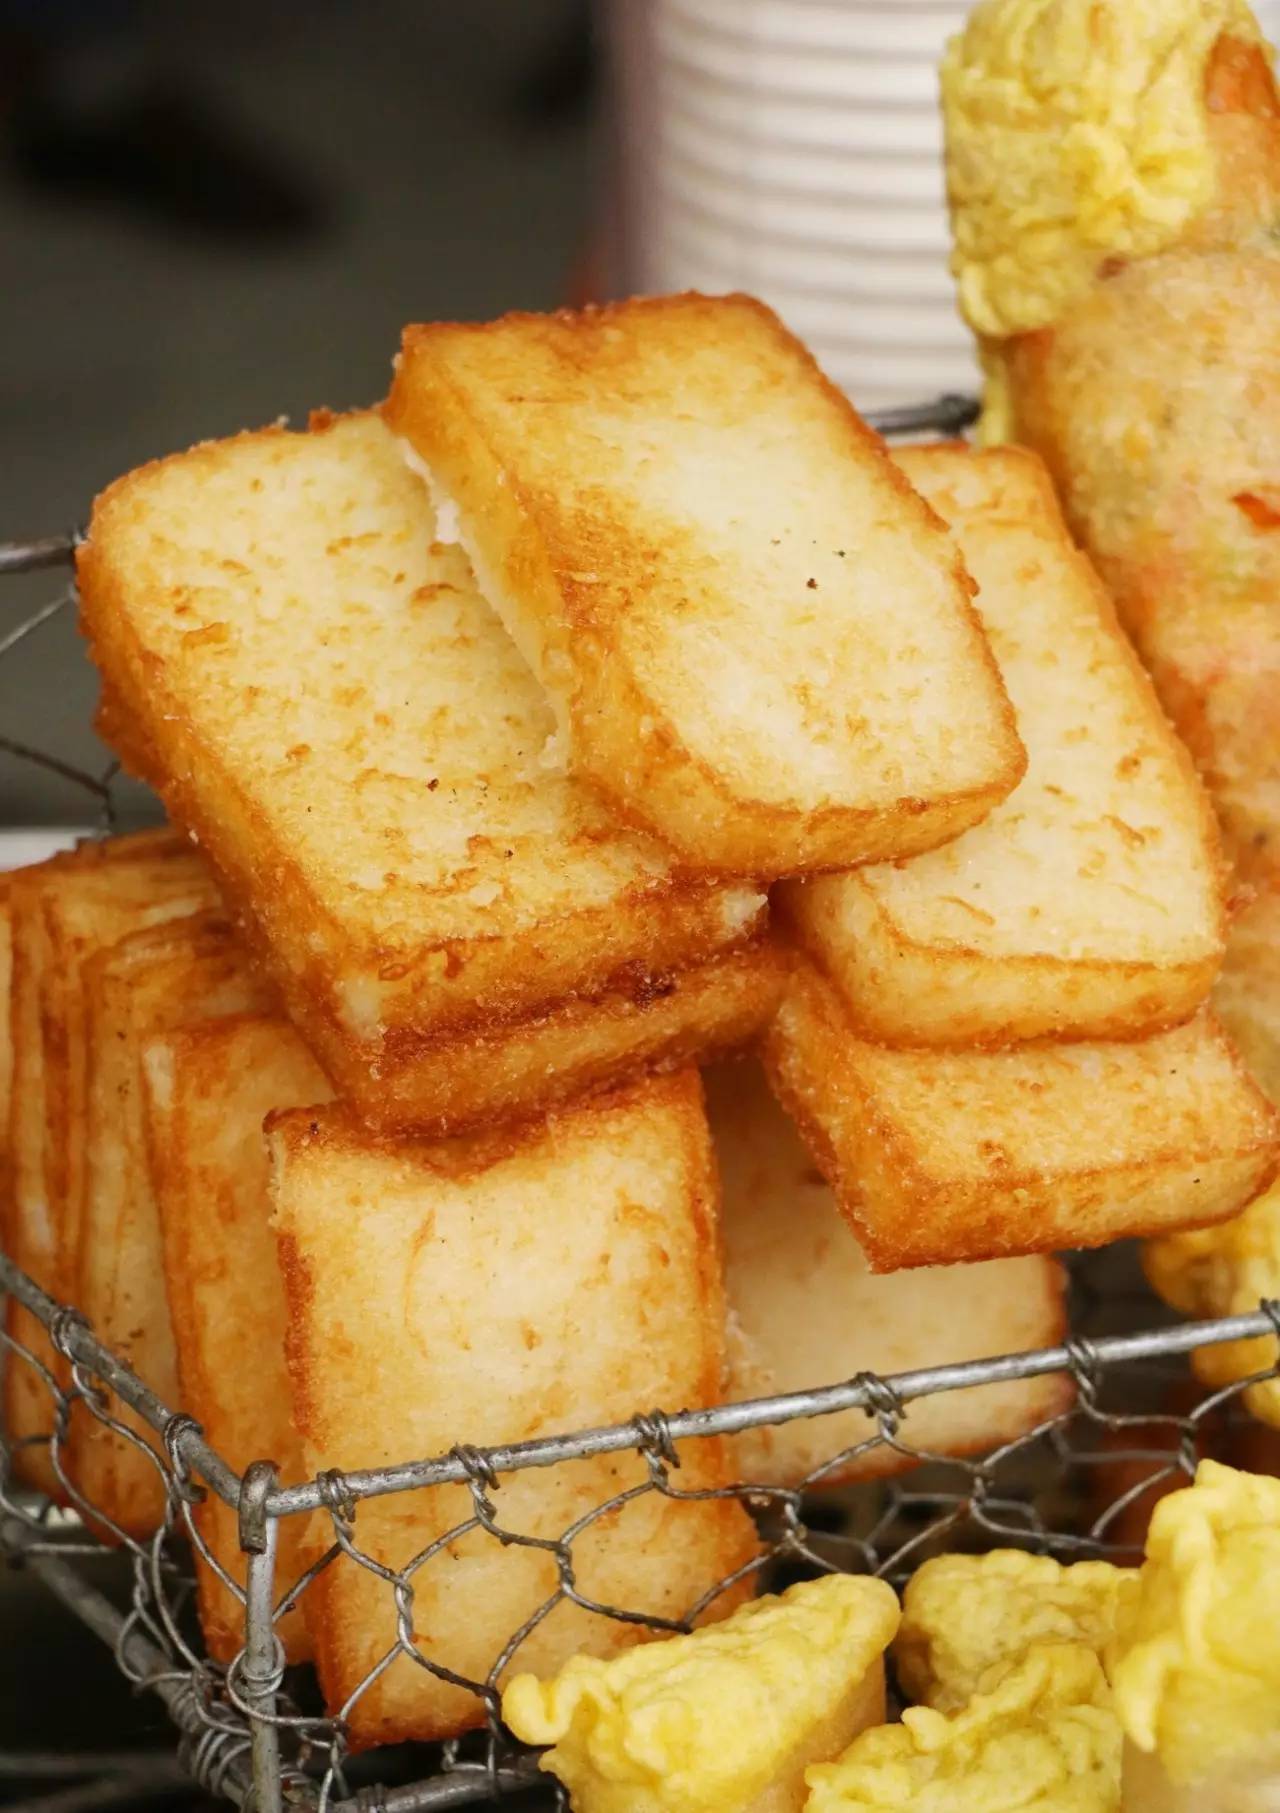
<point x="1089" y="904"/>
<point x="324" y="699"/>
<point x="517" y="1284"/>
<point x="647" y="1018"/>
<point x="208" y="1090"/>
<point x="939" y="1156"/>
<point x="805" y="1310"/>
<point x="25" y="1222"/>
<point x="168" y="975"/>
<point x="106" y="891"/>
<point x="63" y="910"/>
<point x="757" y="639"/>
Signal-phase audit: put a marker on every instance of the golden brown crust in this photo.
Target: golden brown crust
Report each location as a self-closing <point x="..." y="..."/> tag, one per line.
<point x="186" y="970"/>
<point x="403" y="1261"/>
<point x="1090" y="904"/>
<point x="1153" y="404"/>
<point x="28" y="1410"/>
<point x="126" y="885"/>
<point x="576" y="557"/>
<point x="62" y="909"/>
<point x="364" y="955"/>
<point x="208" y="1088"/>
<point x="334" y="1127"/>
<point x="805" y="1311"/>
<point x="511" y="1069"/>
<point x="937" y="1158"/>
<point x="115" y="723"/>
<point x="1141" y="1004"/>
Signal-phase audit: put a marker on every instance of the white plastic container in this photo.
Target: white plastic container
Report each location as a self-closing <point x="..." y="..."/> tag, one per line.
<point x="793" y="148"/>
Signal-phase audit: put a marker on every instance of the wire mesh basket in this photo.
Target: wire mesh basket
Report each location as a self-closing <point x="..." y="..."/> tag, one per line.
<point x="1080" y="1484"/>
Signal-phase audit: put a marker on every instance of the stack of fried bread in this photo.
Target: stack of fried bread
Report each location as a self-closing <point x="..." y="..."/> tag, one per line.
<point x="62" y="913"/>
<point x="1003" y="1046"/>
<point x="360" y="1111"/>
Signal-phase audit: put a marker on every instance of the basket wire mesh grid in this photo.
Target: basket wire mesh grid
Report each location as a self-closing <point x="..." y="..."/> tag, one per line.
<point x="1080" y="1484"/>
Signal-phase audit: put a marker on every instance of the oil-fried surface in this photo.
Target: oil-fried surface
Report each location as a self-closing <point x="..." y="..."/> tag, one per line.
<point x="1157" y="408"/>
<point x="805" y="1310"/>
<point x="491" y="1290"/>
<point x="25" y="1222"/>
<point x="938" y="1156"/>
<point x="63" y="911"/>
<point x="208" y="1091"/>
<point x="757" y="639"/>
<point x="1089" y="904"/>
<point x="466" y="1079"/>
<point x="169" y="975"/>
<point x="323" y="697"/>
<point x="1156" y="403"/>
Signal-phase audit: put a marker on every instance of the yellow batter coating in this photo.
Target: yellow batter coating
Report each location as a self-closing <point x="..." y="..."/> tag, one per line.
<point x="1144" y="363"/>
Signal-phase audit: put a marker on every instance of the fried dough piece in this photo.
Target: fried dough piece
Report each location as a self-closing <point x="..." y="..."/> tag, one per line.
<point x="490" y="1290"/>
<point x="757" y="640"/>
<point x="208" y="1090"/>
<point x="938" y="1156"/>
<point x="744" y="1707"/>
<point x="1154" y="397"/>
<point x="1089" y="904"/>
<point x="1156" y="406"/>
<point x="805" y="1310"/>
<point x="458" y="928"/>
<point x="175" y="974"/>
<point x="964" y="1616"/>
<point x="63" y="910"/>
<point x="1042" y="1730"/>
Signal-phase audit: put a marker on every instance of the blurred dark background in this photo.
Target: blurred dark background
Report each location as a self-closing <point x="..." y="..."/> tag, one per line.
<point x="213" y="216"/>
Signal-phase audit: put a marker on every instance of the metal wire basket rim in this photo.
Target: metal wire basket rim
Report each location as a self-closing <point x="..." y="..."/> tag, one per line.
<point x="72" y="1335"/>
<point x="861" y="1392"/>
<point x="42" y="552"/>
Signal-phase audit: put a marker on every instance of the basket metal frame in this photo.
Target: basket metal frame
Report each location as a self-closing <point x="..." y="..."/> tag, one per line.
<point x="242" y="1759"/>
<point x="231" y="1729"/>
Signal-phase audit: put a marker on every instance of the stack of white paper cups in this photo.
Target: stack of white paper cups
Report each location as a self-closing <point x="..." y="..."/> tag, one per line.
<point x="793" y="148"/>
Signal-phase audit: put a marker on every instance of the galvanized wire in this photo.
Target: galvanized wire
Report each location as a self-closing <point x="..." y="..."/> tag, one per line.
<point x="1072" y="1487"/>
